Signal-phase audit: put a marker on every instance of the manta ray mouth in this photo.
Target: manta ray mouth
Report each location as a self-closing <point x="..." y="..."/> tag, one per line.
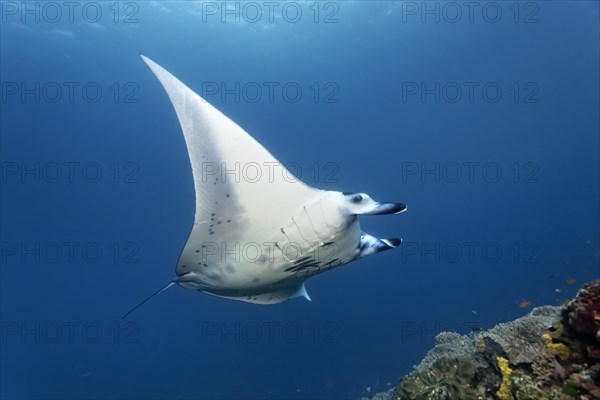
<point x="387" y="208"/>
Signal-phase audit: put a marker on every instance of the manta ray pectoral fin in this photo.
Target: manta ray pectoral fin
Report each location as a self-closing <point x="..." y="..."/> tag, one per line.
<point x="242" y="192"/>
<point x="372" y="245"/>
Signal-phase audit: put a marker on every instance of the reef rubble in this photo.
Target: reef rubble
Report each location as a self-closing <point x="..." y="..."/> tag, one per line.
<point x="552" y="353"/>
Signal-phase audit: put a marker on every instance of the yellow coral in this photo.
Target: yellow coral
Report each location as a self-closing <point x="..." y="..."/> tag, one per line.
<point x="559" y="349"/>
<point x="504" y="391"/>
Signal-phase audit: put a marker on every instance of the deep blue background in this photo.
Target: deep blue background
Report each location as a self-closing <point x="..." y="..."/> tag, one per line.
<point x="377" y="316"/>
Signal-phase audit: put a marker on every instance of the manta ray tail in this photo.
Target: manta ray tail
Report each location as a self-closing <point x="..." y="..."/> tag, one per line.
<point x="148" y="298"/>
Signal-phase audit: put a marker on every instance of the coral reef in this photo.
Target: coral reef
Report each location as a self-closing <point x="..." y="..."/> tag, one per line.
<point x="552" y="353"/>
<point x="583" y="314"/>
<point x="558" y="349"/>
<point x="448" y="378"/>
<point x="504" y="392"/>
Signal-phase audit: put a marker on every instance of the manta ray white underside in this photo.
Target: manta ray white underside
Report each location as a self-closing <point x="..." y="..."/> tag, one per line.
<point x="258" y="232"/>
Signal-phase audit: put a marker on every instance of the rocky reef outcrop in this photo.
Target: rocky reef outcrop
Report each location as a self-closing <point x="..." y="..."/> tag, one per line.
<point x="553" y="353"/>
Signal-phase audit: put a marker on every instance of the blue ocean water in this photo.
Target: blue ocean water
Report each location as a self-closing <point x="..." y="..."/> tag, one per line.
<point x="482" y="118"/>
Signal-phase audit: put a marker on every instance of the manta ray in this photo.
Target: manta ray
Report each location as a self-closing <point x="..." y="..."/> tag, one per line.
<point x="259" y="232"/>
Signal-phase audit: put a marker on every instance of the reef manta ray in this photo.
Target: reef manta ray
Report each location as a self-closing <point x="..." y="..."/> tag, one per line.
<point x="258" y="231"/>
